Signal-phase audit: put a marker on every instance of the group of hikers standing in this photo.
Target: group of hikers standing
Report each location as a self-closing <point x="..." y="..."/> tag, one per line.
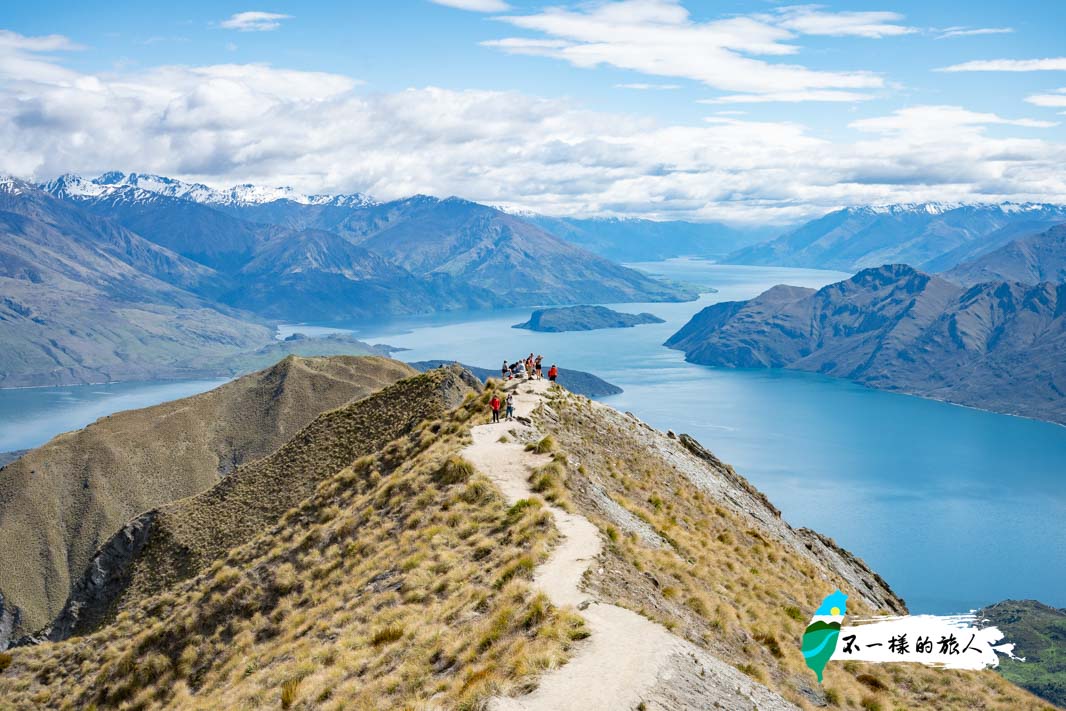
<point x="529" y="368"/>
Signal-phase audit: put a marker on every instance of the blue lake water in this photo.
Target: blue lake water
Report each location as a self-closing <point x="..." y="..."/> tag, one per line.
<point x="956" y="508"/>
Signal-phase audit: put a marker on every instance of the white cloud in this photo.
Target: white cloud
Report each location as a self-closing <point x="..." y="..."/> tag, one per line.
<point x="1056" y="99"/>
<point x="659" y="38"/>
<point x="923" y="120"/>
<point x="1056" y="64"/>
<point x="648" y="87"/>
<point x="787" y="97"/>
<point x="475" y="5"/>
<point x="254" y="21"/>
<point x="812" y="20"/>
<point x="232" y="123"/>
<point x="949" y="32"/>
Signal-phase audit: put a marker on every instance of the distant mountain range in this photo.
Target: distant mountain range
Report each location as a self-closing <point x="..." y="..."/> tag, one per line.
<point x="930" y="236"/>
<point x="636" y="240"/>
<point x="82" y="299"/>
<point x="995" y="345"/>
<point x="143" y="276"/>
<point x="1029" y="260"/>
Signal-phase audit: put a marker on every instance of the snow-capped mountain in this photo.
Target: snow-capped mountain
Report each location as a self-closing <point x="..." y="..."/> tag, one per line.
<point x="932" y="236"/>
<point x="76" y="187"/>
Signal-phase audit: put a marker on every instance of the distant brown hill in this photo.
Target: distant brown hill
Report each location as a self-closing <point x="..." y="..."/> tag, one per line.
<point x="59" y="502"/>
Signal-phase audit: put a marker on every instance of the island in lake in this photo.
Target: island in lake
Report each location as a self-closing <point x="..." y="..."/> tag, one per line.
<point x="583" y="318"/>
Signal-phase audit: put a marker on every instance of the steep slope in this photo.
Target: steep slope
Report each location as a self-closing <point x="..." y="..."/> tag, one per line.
<point x="410" y="580"/>
<point x="481" y="246"/>
<point x="318" y="275"/>
<point x="177" y="541"/>
<point x="61" y="501"/>
<point x="635" y="240"/>
<point x="930" y="236"/>
<point x="1029" y="260"/>
<point x="401" y="581"/>
<point x="996" y="345"/>
<point x="84" y="300"/>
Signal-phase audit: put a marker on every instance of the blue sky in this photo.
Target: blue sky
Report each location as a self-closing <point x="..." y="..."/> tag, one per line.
<point x="754" y="111"/>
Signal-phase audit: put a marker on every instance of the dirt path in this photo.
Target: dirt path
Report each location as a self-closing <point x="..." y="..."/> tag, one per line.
<point x="628" y="659"/>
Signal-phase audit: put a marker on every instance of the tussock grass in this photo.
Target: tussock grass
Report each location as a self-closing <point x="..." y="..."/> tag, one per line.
<point x="726" y="583"/>
<point x="544" y="446"/>
<point x="390" y="586"/>
<point x="152" y="457"/>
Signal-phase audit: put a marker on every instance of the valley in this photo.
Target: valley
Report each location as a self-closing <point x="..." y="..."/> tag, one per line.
<point x="919" y="479"/>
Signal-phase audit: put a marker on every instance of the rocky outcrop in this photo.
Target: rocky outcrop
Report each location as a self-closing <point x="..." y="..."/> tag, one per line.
<point x="92" y="596"/>
<point x="995" y="345"/>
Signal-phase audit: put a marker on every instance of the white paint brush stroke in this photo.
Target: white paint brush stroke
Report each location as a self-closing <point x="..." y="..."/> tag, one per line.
<point x="931" y="627"/>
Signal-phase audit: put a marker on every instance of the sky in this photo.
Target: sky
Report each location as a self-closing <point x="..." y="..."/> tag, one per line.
<point x="760" y="112"/>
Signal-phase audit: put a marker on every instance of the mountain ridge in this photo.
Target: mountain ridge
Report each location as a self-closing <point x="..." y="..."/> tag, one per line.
<point x="62" y="500"/>
<point x="993" y="345"/>
<point x="932" y="236"/>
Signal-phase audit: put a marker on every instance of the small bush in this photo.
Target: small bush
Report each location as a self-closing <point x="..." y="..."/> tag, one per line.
<point x="386" y="635"/>
<point x="870" y="703"/>
<point x="770" y="642"/>
<point x="794" y="613"/>
<point x="288" y="693"/>
<point x="5" y="660"/>
<point x="871" y="681"/>
<point x="454" y="470"/>
<point x="544" y="446"/>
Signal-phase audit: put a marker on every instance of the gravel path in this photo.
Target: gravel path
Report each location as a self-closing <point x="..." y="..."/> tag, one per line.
<point x="627" y="660"/>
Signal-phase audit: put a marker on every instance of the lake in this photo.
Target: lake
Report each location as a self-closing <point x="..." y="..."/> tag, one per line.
<point x="955" y="507"/>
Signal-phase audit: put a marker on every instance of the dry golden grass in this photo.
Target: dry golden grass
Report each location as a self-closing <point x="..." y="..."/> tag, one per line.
<point x="63" y="498"/>
<point x="401" y="582"/>
<point x="727" y="585"/>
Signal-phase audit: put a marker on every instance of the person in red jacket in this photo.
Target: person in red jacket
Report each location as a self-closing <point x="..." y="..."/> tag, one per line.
<point x="495" y="404"/>
<point x="553" y="372"/>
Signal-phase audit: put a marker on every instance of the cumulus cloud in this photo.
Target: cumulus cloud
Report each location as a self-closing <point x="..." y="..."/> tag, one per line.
<point x="254" y="21"/>
<point x="475" y="5"/>
<point x="1052" y="64"/>
<point x="231" y="123"/>
<point x="949" y="32"/>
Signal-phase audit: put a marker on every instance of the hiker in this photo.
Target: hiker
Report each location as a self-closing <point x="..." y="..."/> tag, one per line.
<point x="510" y="406"/>
<point x="505" y="371"/>
<point x="521" y="370"/>
<point x="553" y="372"/>
<point x="495" y="404"/>
<point x="539" y="367"/>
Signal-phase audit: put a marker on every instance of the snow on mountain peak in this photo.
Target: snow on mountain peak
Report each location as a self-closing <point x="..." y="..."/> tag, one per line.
<point x="77" y="187"/>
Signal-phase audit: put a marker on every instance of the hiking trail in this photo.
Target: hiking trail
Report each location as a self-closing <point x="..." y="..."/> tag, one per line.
<point x="627" y="660"/>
